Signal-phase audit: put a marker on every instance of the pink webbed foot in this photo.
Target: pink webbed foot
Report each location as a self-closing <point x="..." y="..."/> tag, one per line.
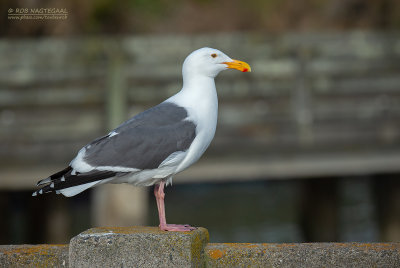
<point x="177" y="228"/>
<point x="159" y="194"/>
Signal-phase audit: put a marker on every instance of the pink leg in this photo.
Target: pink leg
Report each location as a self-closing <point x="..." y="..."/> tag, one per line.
<point x="159" y="194"/>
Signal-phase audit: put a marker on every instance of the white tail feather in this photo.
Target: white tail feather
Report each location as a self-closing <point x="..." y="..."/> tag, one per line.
<point x="71" y="191"/>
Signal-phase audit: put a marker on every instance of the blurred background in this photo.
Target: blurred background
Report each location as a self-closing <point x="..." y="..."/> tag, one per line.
<point x="307" y="146"/>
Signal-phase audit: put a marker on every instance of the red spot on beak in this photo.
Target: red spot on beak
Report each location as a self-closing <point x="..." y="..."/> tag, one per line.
<point x="245" y="70"/>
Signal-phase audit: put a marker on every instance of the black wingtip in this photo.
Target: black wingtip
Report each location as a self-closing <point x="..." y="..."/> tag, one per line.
<point x="44" y="181"/>
<point x="54" y="176"/>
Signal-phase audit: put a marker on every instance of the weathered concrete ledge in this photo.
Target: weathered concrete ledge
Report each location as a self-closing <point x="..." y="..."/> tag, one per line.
<point x="303" y="255"/>
<point x="34" y="256"/>
<point x="138" y="247"/>
<point x="150" y="247"/>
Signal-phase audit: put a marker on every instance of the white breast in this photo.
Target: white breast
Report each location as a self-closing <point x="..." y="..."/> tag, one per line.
<point x="201" y="101"/>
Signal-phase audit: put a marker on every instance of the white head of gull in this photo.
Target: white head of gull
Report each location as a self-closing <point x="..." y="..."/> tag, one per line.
<point x="151" y="147"/>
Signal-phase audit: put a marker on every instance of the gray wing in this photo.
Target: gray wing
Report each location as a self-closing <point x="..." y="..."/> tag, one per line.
<point x="144" y="141"/>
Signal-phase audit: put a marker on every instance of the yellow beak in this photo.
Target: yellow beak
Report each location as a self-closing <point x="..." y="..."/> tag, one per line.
<point x="238" y="65"/>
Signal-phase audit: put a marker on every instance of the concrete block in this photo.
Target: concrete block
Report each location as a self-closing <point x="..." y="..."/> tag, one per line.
<point x="34" y="256"/>
<point x="303" y="255"/>
<point x="138" y="247"/>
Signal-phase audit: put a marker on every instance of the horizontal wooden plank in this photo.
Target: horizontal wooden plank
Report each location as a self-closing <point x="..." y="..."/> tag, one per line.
<point x="48" y="125"/>
<point x="241" y="169"/>
<point x="307" y="93"/>
<point x="373" y="84"/>
<point x="51" y="96"/>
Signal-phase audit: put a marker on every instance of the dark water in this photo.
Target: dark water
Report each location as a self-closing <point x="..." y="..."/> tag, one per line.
<point x="336" y="209"/>
<point x="360" y="209"/>
<point x="236" y="212"/>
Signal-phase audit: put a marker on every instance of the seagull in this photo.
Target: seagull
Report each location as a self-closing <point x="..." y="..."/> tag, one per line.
<point x="153" y="146"/>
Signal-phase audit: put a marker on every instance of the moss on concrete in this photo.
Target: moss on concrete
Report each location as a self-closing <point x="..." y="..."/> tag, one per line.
<point x="138" y="247"/>
<point x="303" y="255"/>
<point x="34" y="256"/>
<point x="150" y="247"/>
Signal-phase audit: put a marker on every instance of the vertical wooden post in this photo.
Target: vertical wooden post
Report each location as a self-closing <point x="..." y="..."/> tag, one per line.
<point x="387" y="194"/>
<point x="120" y="204"/>
<point x="357" y="211"/>
<point x="319" y="210"/>
<point x="301" y="100"/>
